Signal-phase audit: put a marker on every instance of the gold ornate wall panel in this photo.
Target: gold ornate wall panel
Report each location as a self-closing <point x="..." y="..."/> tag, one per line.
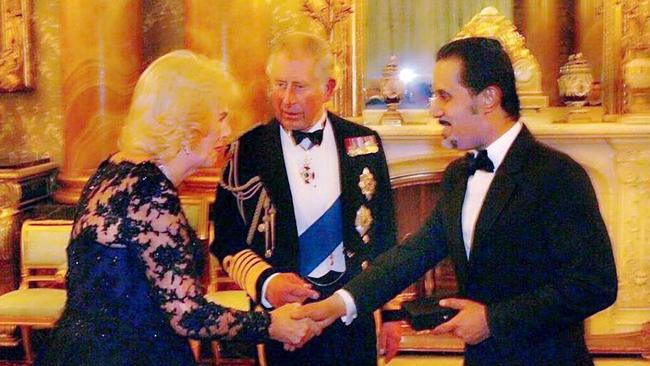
<point x="101" y="58"/>
<point x="612" y="57"/>
<point x="31" y="123"/>
<point x="589" y="33"/>
<point x="15" y="45"/>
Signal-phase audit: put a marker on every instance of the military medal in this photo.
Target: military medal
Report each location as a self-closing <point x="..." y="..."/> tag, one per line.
<point x="363" y="221"/>
<point x="306" y="173"/>
<point x="362" y="145"/>
<point x="367" y="183"/>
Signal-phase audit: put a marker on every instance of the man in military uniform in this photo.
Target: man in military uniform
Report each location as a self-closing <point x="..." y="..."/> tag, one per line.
<point x="305" y="204"/>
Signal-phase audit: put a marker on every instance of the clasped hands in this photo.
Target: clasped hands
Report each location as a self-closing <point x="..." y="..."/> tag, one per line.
<point x="294" y="324"/>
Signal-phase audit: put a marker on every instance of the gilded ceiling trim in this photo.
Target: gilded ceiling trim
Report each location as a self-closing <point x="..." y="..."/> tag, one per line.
<point x="15" y="45"/>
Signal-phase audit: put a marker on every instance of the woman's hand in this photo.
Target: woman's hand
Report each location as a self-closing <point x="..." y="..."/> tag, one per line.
<point x="293" y="333"/>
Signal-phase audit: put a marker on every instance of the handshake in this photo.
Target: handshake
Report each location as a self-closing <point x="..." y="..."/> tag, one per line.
<point x="294" y="324"/>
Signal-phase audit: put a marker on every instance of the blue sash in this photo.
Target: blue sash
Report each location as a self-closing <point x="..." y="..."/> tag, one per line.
<point x="321" y="238"/>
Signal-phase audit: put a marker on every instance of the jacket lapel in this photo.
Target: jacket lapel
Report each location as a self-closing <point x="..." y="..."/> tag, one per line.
<point x="502" y="187"/>
<point x="274" y="176"/>
<point x="345" y="165"/>
<point x="454" y="215"/>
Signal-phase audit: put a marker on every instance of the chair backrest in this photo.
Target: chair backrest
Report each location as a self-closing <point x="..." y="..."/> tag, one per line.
<point x="197" y="212"/>
<point x="415" y="196"/>
<point x="43" y="245"/>
<point x="218" y="278"/>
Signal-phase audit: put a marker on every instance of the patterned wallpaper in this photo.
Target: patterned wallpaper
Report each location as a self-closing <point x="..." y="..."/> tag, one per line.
<point x="31" y="123"/>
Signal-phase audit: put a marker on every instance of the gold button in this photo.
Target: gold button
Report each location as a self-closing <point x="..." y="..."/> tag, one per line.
<point x="261" y="228"/>
<point x="365" y="239"/>
<point x="364" y="265"/>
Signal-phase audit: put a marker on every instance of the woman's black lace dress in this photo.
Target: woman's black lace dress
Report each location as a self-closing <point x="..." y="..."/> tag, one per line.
<point x="132" y="279"/>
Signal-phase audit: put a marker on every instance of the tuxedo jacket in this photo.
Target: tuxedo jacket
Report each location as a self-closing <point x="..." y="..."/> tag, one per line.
<point x="541" y="259"/>
<point x="258" y="161"/>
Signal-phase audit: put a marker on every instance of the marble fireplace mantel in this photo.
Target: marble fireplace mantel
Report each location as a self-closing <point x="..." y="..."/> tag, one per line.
<point x="617" y="159"/>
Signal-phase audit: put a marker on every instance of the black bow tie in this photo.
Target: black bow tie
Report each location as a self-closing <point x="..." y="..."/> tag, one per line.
<point x="479" y="162"/>
<point x="315" y="137"/>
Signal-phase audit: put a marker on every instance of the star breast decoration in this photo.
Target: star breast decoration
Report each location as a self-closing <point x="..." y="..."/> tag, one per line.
<point x="362" y="222"/>
<point x="367" y="183"/>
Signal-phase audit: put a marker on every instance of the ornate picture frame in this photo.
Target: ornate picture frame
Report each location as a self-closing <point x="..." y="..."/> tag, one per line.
<point x="16" y="68"/>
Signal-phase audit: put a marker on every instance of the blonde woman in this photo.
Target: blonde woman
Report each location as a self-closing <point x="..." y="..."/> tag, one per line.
<point x="133" y="259"/>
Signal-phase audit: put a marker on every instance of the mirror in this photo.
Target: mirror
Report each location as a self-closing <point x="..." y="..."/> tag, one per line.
<point x="413" y="31"/>
<point x="553" y="30"/>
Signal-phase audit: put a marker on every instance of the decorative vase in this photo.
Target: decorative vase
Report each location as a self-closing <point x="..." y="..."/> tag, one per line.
<point x="575" y="81"/>
<point x="392" y="89"/>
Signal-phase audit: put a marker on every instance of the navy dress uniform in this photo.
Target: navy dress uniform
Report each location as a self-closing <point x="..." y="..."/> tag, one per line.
<point x="320" y="206"/>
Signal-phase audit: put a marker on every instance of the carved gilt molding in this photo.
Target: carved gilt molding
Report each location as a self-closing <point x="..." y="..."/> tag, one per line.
<point x="16" y="70"/>
<point x="10" y="193"/>
<point x="336" y="17"/>
<point x="632" y="168"/>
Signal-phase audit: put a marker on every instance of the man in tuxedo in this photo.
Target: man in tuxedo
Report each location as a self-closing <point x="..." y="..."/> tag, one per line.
<point x="519" y="220"/>
<point x="305" y="203"/>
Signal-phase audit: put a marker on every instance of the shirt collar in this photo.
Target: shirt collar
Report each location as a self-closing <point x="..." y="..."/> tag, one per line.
<point x="498" y="149"/>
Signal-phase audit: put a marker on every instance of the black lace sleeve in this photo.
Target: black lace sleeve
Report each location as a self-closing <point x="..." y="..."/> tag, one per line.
<point x="167" y="249"/>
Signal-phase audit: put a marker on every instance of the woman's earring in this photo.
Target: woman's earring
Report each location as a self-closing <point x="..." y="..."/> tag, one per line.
<point x="185" y="148"/>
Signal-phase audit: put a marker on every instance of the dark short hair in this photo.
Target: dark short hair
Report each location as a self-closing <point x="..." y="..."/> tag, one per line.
<point x="485" y="63"/>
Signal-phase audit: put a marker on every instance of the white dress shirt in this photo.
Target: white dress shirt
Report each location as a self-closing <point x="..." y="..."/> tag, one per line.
<point x="311" y="200"/>
<point x="479" y="183"/>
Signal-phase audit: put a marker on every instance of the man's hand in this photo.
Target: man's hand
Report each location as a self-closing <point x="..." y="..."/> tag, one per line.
<point x="293" y="333"/>
<point x="324" y="312"/>
<point x="390" y="336"/>
<point x="470" y="323"/>
<point x="286" y="288"/>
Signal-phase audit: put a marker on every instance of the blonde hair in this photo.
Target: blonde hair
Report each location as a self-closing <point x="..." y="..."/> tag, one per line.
<point x="299" y="45"/>
<point x="175" y="102"/>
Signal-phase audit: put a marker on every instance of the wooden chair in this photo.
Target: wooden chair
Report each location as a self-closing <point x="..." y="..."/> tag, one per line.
<point x="415" y="196"/>
<point x="35" y="304"/>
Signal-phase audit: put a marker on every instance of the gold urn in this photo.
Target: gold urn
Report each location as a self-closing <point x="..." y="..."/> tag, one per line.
<point x="575" y="81"/>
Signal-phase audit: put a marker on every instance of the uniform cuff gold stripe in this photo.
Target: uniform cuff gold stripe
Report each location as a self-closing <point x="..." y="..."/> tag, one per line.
<point x="246" y="269"/>
<point x="239" y="263"/>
